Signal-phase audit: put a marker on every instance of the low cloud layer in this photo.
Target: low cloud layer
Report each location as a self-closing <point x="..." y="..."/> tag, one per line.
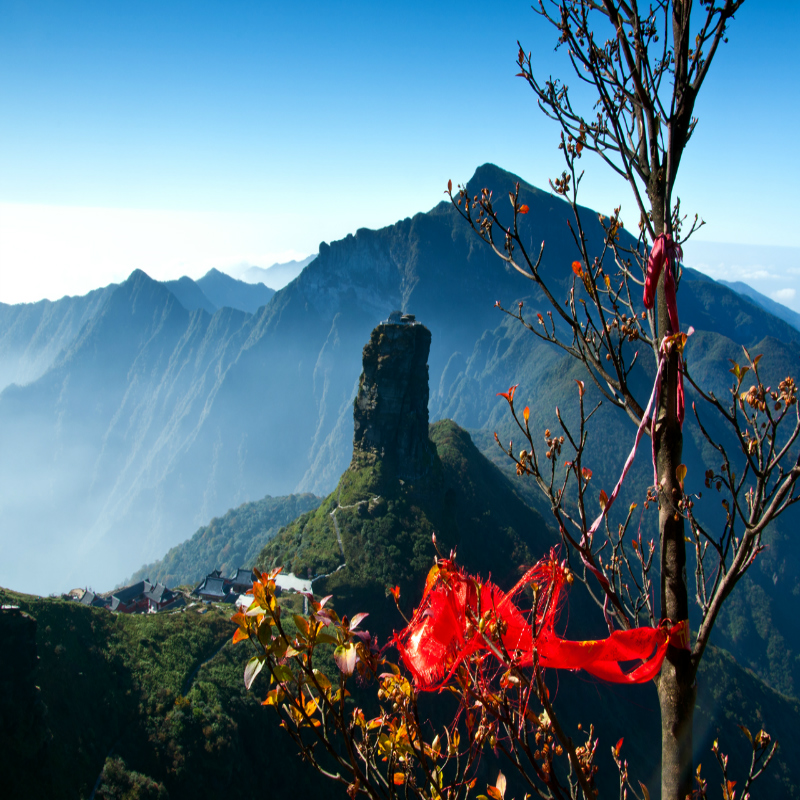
<point x="773" y="271"/>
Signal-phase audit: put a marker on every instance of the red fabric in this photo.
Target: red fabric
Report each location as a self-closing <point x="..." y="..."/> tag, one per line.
<point x="444" y="630"/>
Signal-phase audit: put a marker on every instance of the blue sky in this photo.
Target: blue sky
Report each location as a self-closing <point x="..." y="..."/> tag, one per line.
<point x="177" y="136"/>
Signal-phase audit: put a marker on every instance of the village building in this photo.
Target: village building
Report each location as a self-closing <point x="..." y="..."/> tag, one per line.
<point x="89" y="598"/>
<point x="132" y="598"/>
<point x="242" y="581"/>
<point x="159" y="598"/>
<point x="213" y="588"/>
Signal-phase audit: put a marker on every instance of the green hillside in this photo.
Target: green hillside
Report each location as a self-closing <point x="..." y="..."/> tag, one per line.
<point x="386" y="524"/>
<point x="228" y="542"/>
<point x="156" y="703"/>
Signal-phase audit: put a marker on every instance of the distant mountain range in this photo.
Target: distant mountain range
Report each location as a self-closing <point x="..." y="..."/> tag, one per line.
<point x="278" y="275"/>
<point x="147" y="419"/>
<point x="779" y="310"/>
<point x="32" y="335"/>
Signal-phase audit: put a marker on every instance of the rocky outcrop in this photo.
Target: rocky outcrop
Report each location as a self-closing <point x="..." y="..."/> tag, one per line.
<point x="391" y="410"/>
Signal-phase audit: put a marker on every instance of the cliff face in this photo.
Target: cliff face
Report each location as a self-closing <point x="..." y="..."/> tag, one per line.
<point x="390" y="413"/>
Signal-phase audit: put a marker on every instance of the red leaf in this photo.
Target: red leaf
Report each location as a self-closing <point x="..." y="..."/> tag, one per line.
<point x="395" y="593"/>
<point x="587" y="473"/>
<point x="523" y="209"/>
<point x="509" y="395"/>
<point x="577" y="268"/>
<point x="618" y="746"/>
<point x="603" y="499"/>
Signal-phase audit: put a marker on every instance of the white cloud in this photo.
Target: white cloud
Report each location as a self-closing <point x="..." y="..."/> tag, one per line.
<point x="784" y="296"/>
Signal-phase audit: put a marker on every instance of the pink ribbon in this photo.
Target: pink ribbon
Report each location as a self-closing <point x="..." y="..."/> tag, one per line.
<point x="666" y="252"/>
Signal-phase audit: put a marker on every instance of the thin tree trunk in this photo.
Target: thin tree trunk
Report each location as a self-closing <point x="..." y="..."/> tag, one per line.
<point x="676" y="692"/>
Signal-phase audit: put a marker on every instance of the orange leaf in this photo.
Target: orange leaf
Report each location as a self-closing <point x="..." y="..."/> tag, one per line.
<point x="395" y="593"/>
<point x="450" y="187"/>
<point x="581" y="387"/>
<point x="577" y="268"/>
<point x="680" y="473"/>
<point x="399" y="779"/>
<point x="240" y="634"/>
<point x="618" y="747"/>
<point x="603" y="499"/>
<point x="523" y="209"/>
<point x="526" y="414"/>
<point x="509" y="395"/>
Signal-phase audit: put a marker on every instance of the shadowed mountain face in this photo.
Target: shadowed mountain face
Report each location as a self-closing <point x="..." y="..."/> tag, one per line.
<point x="155" y="419"/>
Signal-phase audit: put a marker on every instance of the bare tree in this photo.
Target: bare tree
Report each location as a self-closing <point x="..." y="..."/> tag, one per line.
<point x="646" y="66"/>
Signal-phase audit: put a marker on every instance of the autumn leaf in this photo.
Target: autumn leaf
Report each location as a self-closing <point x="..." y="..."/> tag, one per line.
<point x="509" y="395"/>
<point x="526" y="414"/>
<point x="618" y="747"/>
<point x="523" y="209"/>
<point x="240" y="635"/>
<point x="395" y="593"/>
<point x="603" y="499"/>
<point x="449" y="187"/>
<point x="577" y="268"/>
<point x="345" y="657"/>
<point x="587" y="473"/>
<point x="680" y="473"/>
<point x="398" y="779"/>
<point x="581" y="387"/>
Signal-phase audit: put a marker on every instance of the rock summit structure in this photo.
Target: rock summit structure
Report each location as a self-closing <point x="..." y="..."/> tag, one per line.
<point x="391" y="410"/>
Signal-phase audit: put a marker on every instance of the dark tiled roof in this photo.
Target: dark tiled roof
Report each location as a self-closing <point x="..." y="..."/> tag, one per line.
<point x="177" y="602"/>
<point x="159" y="594"/>
<point x="91" y="599"/>
<point x="243" y="577"/>
<point x="131" y="592"/>
<point x="212" y="587"/>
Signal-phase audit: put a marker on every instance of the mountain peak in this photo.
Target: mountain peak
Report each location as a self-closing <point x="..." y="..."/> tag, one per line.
<point x="499" y="181"/>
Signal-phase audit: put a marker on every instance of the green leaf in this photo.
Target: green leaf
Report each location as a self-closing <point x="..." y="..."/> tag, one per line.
<point x="282" y="673"/>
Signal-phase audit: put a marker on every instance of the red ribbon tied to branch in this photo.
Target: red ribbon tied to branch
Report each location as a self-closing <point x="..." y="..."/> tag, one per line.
<point x="666" y="252"/>
<point x="459" y="617"/>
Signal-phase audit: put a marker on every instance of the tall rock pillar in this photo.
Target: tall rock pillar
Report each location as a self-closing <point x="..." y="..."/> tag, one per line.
<point x="391" y="410"/>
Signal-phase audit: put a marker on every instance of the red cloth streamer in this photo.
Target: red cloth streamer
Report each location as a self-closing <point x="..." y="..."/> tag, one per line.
<point x="666" y="252"/>
<point x="457" y="611"/>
